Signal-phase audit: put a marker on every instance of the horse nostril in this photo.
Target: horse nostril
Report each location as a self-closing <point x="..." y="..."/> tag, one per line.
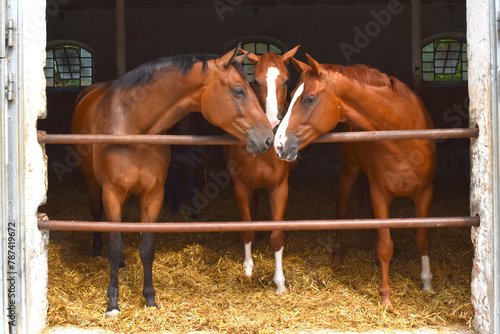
<point x="269" y="142"/>
<point x="279" y="148"/>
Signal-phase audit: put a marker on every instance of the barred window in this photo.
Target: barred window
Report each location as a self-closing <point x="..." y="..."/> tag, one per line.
<point x="258" y="48"/>
<point x="69" y="66"/>
<point x="445" y="60"/>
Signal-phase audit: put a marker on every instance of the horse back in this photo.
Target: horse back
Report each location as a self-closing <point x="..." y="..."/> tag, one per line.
<point x="86" y="106"/>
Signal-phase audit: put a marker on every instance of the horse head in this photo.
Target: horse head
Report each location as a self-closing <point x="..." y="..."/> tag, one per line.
<point x="314" y="110"/>
<point x="228" y="101"/>
<point x="271" y="81"/>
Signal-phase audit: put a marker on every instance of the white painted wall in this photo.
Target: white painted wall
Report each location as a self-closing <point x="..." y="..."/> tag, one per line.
<point x="32" y="53"/>
<point x="482" y="201"/>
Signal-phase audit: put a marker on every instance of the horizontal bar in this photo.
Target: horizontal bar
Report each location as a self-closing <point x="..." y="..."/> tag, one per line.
<point x="333" y="137"/>
<point x="295" y="225"/>
<point x="356" y="136"/>
<point x="138" y="139"/>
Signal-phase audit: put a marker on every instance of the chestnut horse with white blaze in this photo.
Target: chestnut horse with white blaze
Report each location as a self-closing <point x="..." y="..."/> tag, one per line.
<point x="149" y="100"/>
<point x="265" y="170"/>
<point x="367" y="100"/>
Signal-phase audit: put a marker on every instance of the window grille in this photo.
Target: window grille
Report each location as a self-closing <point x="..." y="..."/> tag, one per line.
<point x="69" y="66"/>
<point x="258" y="48"/>
<point x="445" y="60"/>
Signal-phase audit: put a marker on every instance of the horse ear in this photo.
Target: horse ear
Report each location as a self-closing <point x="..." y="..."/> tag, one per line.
<point x="254" y="59"/>
<point x="227" y="59"/>
<point x="299" y="66"/>
<point x="317" y="67"/>
<point x="286" y="57"/>
<point x="241" y="58"/>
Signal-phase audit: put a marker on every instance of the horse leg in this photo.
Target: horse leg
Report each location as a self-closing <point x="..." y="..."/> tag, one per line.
<point x="176" y="188"/>
<point x="385" y="246"/>
<point x="96" y="207"/>
<point x="243" y="196"/>
<point x="151" y="204"/>
<point x="192" y="193"/>
<point x="422" y="207"/>
<point x="113" y="202"/>
<point x="348" y="175"/>
<point x="254" y="201"/>
<point x="278" y="198"/>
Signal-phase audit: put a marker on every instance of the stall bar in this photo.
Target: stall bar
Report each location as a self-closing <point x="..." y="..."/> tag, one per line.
<point x="293" y="225"/>
<point x="44" y="223"/>
<point x="332" y="137"/>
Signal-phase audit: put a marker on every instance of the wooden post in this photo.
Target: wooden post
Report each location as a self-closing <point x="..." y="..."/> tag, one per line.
<point x="416" y="46"/>
<point x="121" y="66"/>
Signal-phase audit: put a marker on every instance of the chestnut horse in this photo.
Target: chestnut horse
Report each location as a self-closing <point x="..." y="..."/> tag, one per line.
<point x="366" y="99"/>
<point x="149" y="100"/>
<point x="249" y="172"/>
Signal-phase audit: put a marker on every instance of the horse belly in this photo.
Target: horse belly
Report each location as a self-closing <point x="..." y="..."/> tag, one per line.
<point x="405" y="179"/>
<point x="402" y="170"/>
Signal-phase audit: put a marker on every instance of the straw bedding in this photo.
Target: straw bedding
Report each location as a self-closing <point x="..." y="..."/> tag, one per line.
<point x="200" y="283"/>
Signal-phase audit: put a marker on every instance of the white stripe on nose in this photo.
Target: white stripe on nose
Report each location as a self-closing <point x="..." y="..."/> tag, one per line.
<point x="272" y="99"/>
<point x="280" y="137"/>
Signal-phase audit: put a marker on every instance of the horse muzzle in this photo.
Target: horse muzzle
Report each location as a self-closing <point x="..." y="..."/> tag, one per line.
<point x="286" y="150"/>
<point x="259" y="142"/>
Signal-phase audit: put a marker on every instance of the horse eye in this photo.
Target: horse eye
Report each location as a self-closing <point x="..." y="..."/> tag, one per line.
<point x="239" y="92"/>
<point x="256" y="83"/>
<point x="287" y="82"/>
<point x="308" y="100"/>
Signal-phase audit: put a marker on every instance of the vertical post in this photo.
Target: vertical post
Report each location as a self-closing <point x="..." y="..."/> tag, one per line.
<point x="22" y="169"/>
<point x="495" y="74"/>
<point x="4" y="302"/>
<point x="121" y="65"/>
<point x="484" y="178"/>
<point x="416" y="46"/>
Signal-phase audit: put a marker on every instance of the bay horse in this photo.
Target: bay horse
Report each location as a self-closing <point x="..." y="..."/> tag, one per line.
<point x="367" y="100"/>
<point x="149" y="100"/>
<point x="265" y="170"/>
<point x="185" y="161"/>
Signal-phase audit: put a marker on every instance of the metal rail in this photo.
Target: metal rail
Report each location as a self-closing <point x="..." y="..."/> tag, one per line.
<point x="44" y="223"/>
<point x="297" y="225"/>
<point x="333" y="137"/>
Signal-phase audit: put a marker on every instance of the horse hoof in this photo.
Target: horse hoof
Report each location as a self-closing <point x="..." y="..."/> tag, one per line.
<point x="337" y="262"/>
<point x="386" y="306"/>
<point x="113" y="314"/>
<point x="151" y="304"/>
<point x="428" y="290"/>
<point x="281" y="290"/>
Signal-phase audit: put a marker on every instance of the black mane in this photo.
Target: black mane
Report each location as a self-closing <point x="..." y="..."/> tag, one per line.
<point x="184" y="63"/>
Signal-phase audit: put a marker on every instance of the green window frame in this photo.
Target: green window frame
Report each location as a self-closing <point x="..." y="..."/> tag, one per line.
<point x="445" y="60"/>
<point x="69" y="66"/>
<point x="258" y="48"/>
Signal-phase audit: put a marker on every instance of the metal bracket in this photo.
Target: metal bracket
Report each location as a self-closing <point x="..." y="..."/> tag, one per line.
<point x="10" y="87"/>
<point x="9" y="34"/>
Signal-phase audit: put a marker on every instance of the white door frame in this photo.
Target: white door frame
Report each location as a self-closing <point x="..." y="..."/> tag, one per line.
<point x="23" y="167"/>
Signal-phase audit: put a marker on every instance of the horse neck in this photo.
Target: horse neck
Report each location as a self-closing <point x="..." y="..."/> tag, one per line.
<point x="165" y="100"/>
<point x="371" y="108"/>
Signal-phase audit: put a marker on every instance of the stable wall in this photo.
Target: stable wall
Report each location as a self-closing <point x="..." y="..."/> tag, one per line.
<point x="319" y="29"/>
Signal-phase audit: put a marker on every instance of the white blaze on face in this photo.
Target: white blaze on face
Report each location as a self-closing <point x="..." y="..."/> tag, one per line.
<point x="280" y="137"/>
<point x="272" y="97"/>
